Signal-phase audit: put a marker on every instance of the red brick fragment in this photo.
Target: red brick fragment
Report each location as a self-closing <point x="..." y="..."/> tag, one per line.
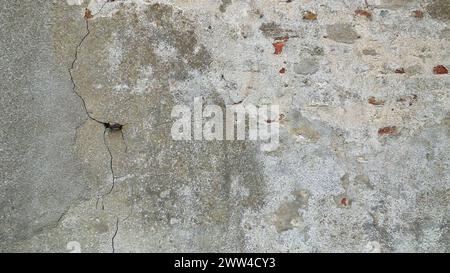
<point x="278" y="47"/>
<point x="440" y="69"/>
<point x="344" y="202"/>
<point x="88" y="14"/>
<point x="365" y="13"/>
<point x="418" y="14"/>
<point x="387" y="131"/>
<point x="279" y="44"/>
<point x="282" y="70"/>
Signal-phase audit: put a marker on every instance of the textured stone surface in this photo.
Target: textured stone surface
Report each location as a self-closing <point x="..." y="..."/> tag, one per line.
<point x="363" y="163"/>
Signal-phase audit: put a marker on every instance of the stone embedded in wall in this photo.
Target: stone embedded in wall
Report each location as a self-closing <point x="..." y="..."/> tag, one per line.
<point x="342" y="33"/>
<point x="306" y="66"/>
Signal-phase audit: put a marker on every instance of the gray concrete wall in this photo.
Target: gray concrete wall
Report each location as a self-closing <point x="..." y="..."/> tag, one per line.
<point x="363" y="163"/>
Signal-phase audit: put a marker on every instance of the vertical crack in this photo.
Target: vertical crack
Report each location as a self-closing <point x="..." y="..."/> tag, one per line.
<point x="107" y="125"/>
<point x="111" y="162"/>
<point x="114" y="236"/>
<point x="75" y="59"/>
<point x="74" y="86"/>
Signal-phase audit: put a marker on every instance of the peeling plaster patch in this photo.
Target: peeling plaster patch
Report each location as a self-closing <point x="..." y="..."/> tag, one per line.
<point x="75" y="2"/>
<point x="288" y="217"/>
<point x="288" y="214"/>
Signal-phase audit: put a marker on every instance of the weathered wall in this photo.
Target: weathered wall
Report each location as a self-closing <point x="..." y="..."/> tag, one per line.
<point x="363" y="163"/>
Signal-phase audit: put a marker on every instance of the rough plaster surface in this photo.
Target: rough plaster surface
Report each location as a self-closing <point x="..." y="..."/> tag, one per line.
<point x="363" y="164"/>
